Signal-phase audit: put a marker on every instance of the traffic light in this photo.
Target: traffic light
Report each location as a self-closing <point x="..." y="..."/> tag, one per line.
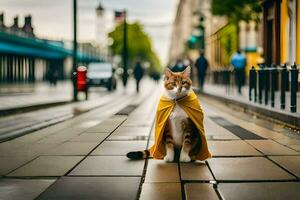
<point x="196" y="40"/>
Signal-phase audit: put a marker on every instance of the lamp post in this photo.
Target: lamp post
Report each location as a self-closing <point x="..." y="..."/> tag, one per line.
<point x="202" y="32"/>
<point x="74" y="75"/>
<point x="124" y="53"/>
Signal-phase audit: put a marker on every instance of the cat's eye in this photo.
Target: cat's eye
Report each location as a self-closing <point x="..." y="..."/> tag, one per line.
<point x="183" y="82"/>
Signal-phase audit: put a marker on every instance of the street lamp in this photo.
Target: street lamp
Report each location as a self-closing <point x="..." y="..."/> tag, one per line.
<point x="74" y="75"/>
<point x="196" y="40"/>
<point x="124" y="53"/>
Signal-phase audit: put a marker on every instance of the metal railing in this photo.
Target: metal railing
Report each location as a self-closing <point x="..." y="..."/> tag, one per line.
<point x="264" y="84"/>
<point x="264" y="81"/>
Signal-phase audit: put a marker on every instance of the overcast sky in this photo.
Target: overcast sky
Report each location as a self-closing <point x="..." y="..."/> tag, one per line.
<point x="53" y="18"/>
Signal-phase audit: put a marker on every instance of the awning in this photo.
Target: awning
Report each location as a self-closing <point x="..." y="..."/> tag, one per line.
<point x="21" y="50"/>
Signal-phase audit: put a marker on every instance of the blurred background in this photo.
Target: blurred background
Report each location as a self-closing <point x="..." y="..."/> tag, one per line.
<point x="42" y="43"/>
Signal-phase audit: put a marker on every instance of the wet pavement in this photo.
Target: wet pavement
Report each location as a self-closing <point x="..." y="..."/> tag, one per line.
<point x="84" y="158"/>
<point x="14" y="96"/>
<point x="19" y="124"/>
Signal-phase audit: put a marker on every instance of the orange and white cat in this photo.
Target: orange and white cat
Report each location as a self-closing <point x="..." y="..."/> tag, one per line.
<point x="180" y="132"/>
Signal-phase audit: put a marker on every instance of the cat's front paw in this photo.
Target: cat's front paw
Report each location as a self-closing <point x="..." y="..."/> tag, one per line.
<point x="185" y="158"/>
<point x="169" y="158"/>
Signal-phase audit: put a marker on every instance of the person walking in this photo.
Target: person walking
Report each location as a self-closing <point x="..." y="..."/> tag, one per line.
<point x="138" y="73"/>
<point x="201" y="65"/>
<point x="238" y="61"/>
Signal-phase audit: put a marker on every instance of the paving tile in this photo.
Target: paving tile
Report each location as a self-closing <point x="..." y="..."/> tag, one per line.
<point x="222" y="137"/>
<point x="161" y="191"/>
<point x="260" y="191"/>
<point x="126" y="137"/>
<point x="9" y="164"/>
<point x="102" y="129"/>
<point x="88" y="123"/>
<point x="288" y="141"/>
<point x="160" y="171"/>
<point x="93" y="188"/>
<point x="196" y="191"/>
<point x="73" y="148"/>
<point x="214" y="131"/>
<point x="290" y="163"/>
<point x="232" y="148"/>
<point x="246" y="169"/>
<point x="138" y="122"/>
<point x="132" y="130"/>
<point x="47" y="166"/>
<point x="109" y="165"/>
<point x="107" y="125"/>
<point x="295" y="147"/>
<point x="90" y="137"/>
<point x="23" y="189"/>
<point x="28" y="150"/>
<point x="195" y="171"/>
<point x="120" y="148"/>
<point x="270" y="147"/>
<point x="55" y="139"/>
<point x="114" y="120"/>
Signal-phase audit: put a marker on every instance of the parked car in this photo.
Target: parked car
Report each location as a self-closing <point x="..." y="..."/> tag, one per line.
<point x="102" y="74"/>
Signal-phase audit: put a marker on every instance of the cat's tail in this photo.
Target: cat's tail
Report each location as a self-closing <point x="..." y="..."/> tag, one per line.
<point x="138" y="155"/>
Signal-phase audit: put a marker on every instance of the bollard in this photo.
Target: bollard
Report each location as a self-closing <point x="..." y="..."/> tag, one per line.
<point x="294" y="87"/>
<point x="260" y="83"/>
<point x="215" y="77"/>
<point x="267" y="84"/>
<point x="283" y="80"/>
<point x="252" y="83"/>
<point x="274" y="75"/>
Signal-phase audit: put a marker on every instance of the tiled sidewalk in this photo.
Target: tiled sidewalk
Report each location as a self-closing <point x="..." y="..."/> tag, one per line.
<point x="267" y="168"/>
<point x="86" y="160"/>
<point x="71" y="157"/>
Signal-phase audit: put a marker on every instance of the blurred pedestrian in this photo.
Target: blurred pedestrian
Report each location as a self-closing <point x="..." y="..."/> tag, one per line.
<point x="179" y="66"/>
<point x="52" y="76"/>
<point x="155" y="76"/>
<point x="138" y="73"/>
<point x="201" y="65"/>
<point x="55" y="77"/>
<point x="238" y="61"/>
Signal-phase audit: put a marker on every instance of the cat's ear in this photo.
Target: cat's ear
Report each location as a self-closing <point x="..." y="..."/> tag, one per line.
<point x="168" y="72"/>
<point x="187" y="71"/>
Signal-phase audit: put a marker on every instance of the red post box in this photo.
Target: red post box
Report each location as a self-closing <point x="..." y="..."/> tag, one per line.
<point x="81" y="78"/>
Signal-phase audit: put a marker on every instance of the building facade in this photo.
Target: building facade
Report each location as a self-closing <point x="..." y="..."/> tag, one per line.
<point x="281" y="22"/>
<point x="27" y="58"/>
<point x="220" y="36"/>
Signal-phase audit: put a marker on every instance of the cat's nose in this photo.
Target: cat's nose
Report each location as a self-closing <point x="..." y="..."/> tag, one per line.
<point x="179" y="89"/>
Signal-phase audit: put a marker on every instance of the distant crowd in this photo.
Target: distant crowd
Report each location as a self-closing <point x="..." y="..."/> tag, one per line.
<point x="201" y="64"/>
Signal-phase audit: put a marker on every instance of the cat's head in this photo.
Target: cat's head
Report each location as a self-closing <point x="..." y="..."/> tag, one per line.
<point x="177" y="84"/>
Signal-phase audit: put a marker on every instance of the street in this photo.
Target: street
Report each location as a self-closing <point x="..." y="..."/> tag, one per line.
<point x="84" y="157"/>
<point x="19" y="124"/>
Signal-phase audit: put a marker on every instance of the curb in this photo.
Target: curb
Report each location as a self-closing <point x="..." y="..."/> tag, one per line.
<point x="288" y="118"/>
<point x="18" y="110"/>
<point x="26" y="130"/>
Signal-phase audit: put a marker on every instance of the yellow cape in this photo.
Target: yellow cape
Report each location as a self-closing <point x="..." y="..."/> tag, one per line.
<point x="190" y="104"/>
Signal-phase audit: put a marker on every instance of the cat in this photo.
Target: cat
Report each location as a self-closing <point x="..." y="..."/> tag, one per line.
<point x="180" y="132"/>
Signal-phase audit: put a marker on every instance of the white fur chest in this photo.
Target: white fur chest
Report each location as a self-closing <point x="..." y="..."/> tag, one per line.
<point x="175" y="120"/>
